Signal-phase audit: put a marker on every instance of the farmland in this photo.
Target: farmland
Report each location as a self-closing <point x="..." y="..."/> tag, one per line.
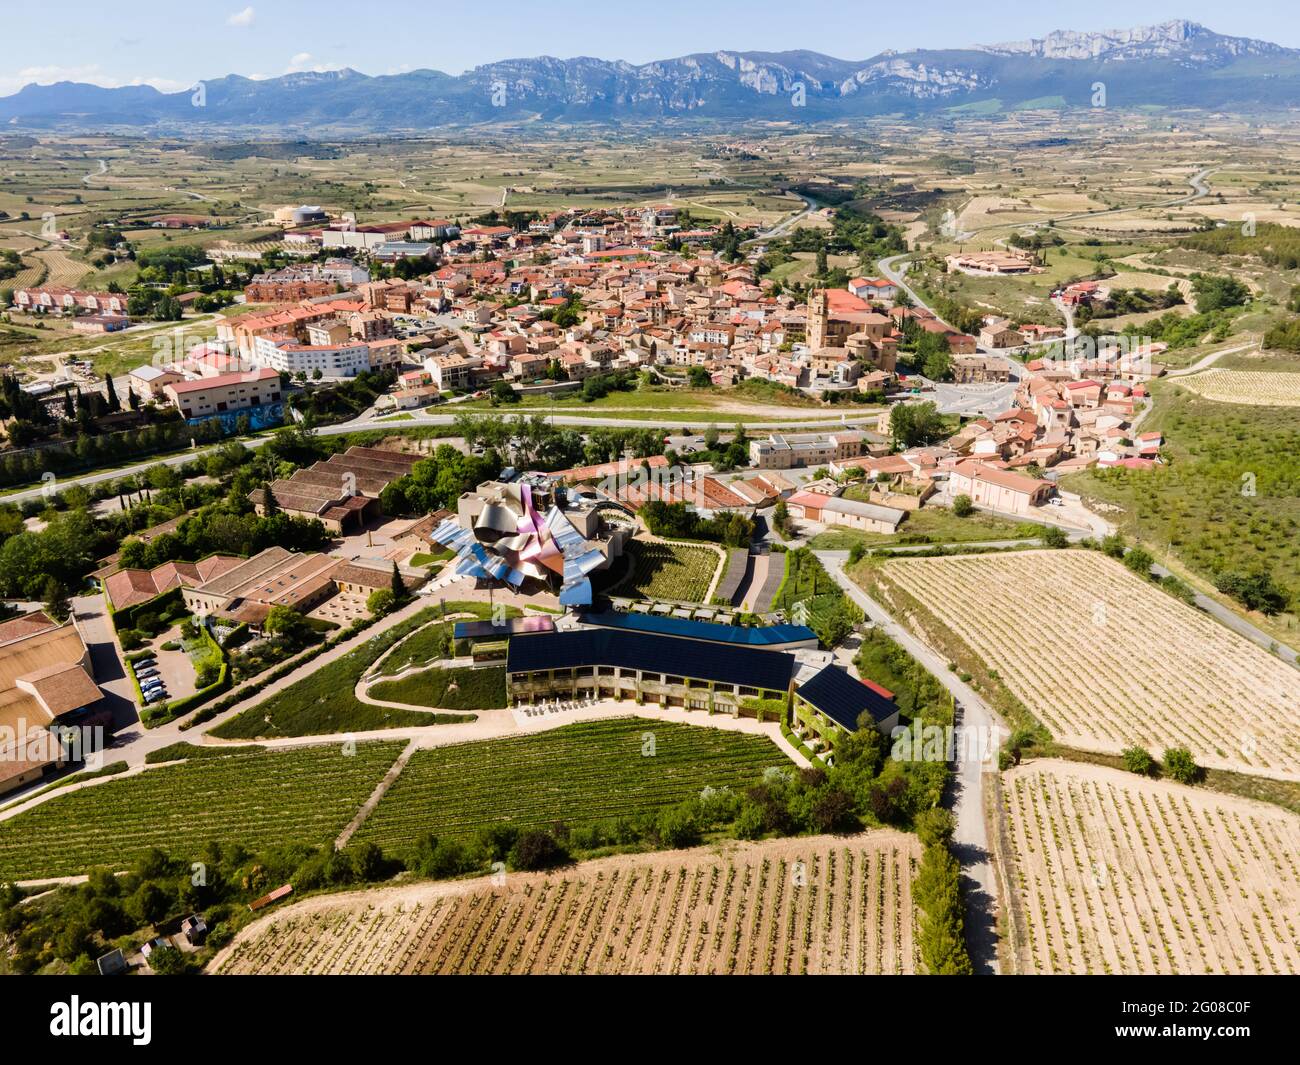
<point x="662" y="570"/>
<point x="819" y="905"/>
<point x="583" y="773"/>
<point x="1078" y="650"/>
<point x="1257" y="388"/>
<point x="1227" y="501"/>
<point x="1115" y="873"/>
<point x="257" y="799"/>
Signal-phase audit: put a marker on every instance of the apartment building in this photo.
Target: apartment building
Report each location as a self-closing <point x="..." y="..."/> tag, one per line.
<point x="210" y="396"/>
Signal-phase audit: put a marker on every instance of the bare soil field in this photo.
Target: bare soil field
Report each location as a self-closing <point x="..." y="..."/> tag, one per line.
<point x="1255" y="388"/>
<point x="1116" y="873"/>
<point x="830" y="905"/>
<point x="1105" y="659"/>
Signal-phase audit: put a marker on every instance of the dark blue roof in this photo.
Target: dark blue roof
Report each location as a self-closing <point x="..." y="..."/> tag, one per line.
<point x="744" y="635"/>
<point x="474" y="630"/>
<point x="723" y="663"/>
<point x="842" y="698"/>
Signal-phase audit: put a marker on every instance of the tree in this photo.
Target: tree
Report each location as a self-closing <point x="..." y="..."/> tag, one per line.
<point x="149" y="904"/>
<point x="380" y="602"/>
<point x="1139" y="560"/>
<point x="962" y="506"/>
<point x="396" y="584"/>
<point x="935" y="826"/>
<point x="1055" y="536"/>
<point x="1113" y="545"/>
<point x="56" y="599"/>
<point x="270" y="505"/>
<point x="1180" y="766"/>
<point x="915" y="424"/>
<point x="1138" y="760"/>
<point x="284" y="621"/>
<point x="167" y="961"/>
<point x="536" y="849"/>
<point x="114" y="401"/>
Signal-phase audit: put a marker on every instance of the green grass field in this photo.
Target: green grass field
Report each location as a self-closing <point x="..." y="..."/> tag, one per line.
<point x="937" y="525"/>
<point x="595" y="771"/>
<point x="325" y="701"/>
<point x="257" y="799"/>
<point x="447" y="689"/>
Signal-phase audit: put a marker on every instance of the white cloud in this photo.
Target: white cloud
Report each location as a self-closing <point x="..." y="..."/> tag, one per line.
<point x="242" y="18"/>
<point x="301" y="59"/>
<point x="91" y="74"/>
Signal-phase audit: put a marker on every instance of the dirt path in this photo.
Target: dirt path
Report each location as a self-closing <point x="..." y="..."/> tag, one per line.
<point x="367" y="807"/>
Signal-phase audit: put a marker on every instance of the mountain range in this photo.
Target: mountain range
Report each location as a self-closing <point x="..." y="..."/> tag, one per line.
<point x="1176" y="64"/>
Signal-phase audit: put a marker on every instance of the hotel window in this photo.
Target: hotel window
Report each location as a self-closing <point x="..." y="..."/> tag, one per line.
<point x="675" y="680"/>
<point x="654" y="678"/>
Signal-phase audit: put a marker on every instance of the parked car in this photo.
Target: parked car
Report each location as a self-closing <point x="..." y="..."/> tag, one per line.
<point x="151" y="683"/>
<point x="155" y="696"/>
<point x="144" y="663"/>
<point x="145" y="674"/>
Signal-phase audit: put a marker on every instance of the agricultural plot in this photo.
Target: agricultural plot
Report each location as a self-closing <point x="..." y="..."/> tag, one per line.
<point x="819" y="905"/>
<point x="1115" y="873"/>
<point x="1105" y="659"/>
<point x="258" y="800"/>
<point x="595" y="771"/>
<point x="1256" y="388"/>
<point x="669" y="571"/>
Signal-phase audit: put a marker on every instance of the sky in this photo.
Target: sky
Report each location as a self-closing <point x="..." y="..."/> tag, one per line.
<point x="172" y="44"/>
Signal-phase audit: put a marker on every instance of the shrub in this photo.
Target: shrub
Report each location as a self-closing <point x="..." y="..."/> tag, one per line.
<point x="167" y="961"/>
<point x="1055" y="536"/>
<point x="1138" y="760"/>
<point x="536" y="849"/>
<point x="962" y="506"/>
<point x="1180" y="766"/>
<point x="1139" y="560"/>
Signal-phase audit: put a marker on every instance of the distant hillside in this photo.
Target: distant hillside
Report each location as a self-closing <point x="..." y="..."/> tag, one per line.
<point x="1174" y="64"/>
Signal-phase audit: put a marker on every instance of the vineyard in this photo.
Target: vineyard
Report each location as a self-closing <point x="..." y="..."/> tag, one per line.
<point x="257" y="799"/>
<point x="587" y="772"/>
<point x="1116" y="873"/>
<point x="670" y="571"/>
<point x="816" y="905"/>
<point x="62" y="269"/>
<point x="1257" y="388"/>
<point x="1074" y="636"/>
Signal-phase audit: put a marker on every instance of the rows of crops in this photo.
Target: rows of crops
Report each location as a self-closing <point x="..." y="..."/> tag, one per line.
<point x="257" y="799"/>
<point x="1115" y="873"/>
<point x="1258" y="388"/>
<point x="670" y="571"/>
<point x="1106" y="659"/>
<point x="594" y="771"/>
<point x="790" y="906"/>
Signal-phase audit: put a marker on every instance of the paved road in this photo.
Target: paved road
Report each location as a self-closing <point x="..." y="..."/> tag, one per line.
<point x="970" y="839"/>
<point x="810" y="205"/>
